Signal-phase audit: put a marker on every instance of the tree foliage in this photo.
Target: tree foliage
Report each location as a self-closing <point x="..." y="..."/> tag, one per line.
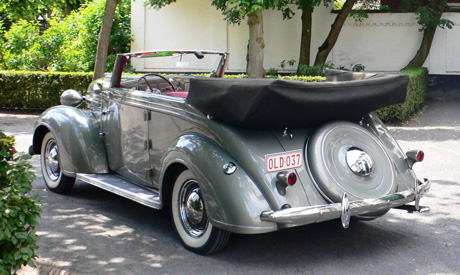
<point x="15" y="10"/>
<point x="67" y="45"/>
<point x="22" y="10"/>
<point x="429" y="16"/>
<point x="158" y="4"/>
<point x="236" y="10"/>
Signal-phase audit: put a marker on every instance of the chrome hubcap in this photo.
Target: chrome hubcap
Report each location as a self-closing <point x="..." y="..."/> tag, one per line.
<point x="359" y="162"/>
<point x="52" y="160"/>
<point x="191" y="207"/>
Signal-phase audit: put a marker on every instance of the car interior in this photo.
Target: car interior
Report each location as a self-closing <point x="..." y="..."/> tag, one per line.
<point x="171" y="85"/>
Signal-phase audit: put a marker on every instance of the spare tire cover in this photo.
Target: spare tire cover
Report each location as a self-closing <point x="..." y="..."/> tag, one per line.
<point x="327" y="151"/>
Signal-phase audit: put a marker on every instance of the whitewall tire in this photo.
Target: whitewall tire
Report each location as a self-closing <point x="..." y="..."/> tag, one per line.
<point x="190" y="218"/>
<point x="55" y="180"/>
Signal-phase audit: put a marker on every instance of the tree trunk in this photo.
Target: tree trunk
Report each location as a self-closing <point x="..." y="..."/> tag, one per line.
<point x="67" y="10"/>
<point x="104" y="37"/>
<point x="428" y="35"/>
<point x="336" y="27"/>
<point x="305" y="40"/>
<point x="256" y="45"/>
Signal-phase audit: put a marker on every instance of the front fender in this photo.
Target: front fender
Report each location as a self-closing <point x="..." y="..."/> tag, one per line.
<point x="233" y="202"/>
<point x="81" y="149"/>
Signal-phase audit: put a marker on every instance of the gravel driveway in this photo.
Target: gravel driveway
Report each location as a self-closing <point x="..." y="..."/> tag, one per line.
<point x="91" y="231"/>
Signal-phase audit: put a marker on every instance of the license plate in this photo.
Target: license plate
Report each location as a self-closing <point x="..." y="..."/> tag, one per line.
<point x="283" y="161"/>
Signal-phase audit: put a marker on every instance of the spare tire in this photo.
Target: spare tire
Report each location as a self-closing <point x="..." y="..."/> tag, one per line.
<point x="345" y="157"/>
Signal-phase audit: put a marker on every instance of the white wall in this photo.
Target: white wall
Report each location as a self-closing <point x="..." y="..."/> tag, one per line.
<point x="185" y="25"/>
<point x="388" y="41"/>
<point x="195" y="24"/>
<point x="445" y="51"/>
<point x="383" y="42"/>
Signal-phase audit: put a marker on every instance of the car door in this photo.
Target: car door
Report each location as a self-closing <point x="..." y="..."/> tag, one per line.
<point x="135" y="144"/>
<point x="125" y="130"/>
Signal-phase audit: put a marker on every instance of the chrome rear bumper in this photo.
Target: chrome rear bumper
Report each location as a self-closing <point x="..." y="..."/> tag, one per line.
<point x="346" y="209"/>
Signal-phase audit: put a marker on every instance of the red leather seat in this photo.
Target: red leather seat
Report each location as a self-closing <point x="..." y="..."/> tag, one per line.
<point x="182" y="94"/>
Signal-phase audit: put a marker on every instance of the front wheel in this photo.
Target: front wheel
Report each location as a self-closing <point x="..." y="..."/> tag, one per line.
<point x="55" y="180"/>
<point x="190" y="218"/>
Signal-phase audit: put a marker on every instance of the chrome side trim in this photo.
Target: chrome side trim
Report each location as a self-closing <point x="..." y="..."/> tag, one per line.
<point x="320" y="213"/>
<point x="124" y="188"/>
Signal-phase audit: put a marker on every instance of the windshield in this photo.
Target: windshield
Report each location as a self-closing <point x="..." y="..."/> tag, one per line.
<point x="196" y="63"/>
<point x="187" y="62"/>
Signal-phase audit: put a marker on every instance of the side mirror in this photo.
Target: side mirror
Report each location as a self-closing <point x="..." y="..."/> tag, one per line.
<point x="199" y="55"/>
<point x="71" y="98"/>
<point x="97" y="88"/>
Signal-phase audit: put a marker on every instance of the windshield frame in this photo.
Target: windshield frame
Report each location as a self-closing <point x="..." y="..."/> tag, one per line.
<point x="123" y="59"/>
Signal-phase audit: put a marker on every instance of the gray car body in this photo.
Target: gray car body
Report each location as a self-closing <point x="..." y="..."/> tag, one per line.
<point x="146" y="138"/>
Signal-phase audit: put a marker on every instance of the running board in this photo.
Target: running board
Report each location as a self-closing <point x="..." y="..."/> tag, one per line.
<point x="124" y="188"/>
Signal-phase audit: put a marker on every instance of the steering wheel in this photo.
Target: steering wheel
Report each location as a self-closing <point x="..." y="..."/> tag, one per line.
<point x="150" y="87"/>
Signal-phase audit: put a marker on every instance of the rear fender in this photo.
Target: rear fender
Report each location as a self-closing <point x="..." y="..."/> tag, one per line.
<point x="233" y="202"/>
<point x="405" y="174"/>
<point x="81" y="148"/>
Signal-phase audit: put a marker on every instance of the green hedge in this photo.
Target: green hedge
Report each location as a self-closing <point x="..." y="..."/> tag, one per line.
<point x="41" y="90"/>
<point x="38" y="90"/>
<point x="416" y="91"/>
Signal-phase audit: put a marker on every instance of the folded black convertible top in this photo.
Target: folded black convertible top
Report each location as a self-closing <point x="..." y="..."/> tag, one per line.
<point x="276" y="104"/>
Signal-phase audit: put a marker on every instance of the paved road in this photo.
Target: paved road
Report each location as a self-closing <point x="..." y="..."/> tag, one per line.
<point x="91" y="231"/>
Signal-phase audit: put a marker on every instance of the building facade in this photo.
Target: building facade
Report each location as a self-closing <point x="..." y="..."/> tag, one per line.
<point x="382" y="42"/>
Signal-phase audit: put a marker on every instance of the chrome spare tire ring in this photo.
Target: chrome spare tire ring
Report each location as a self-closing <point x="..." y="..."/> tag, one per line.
<point x="344" y="157"/>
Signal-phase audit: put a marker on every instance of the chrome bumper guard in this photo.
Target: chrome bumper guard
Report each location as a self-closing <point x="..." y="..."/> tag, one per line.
<point x="346" y="209"/>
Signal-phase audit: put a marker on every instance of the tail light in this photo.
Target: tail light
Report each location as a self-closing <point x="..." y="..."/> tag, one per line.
<point x="292" y="178"/>
<point x="420" y="156"/>
<point x="414" y="156"/>
<point x="285" y="179"/>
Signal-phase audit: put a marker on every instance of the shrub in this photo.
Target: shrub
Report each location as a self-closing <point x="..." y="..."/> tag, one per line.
<point x="18" y="210"/>
<point x="416" y="91"/>
<point x="317" y="70"/>
<point x="38" y="90"/>
<point x="304" y="78"/>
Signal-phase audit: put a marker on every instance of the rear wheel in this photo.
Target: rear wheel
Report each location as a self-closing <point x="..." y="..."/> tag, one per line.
<point x="190" y="218"/>
<point x="55" y="180"/>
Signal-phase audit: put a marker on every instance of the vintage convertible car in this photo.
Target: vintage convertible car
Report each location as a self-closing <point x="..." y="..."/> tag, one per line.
<point x="229" y="155"/>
